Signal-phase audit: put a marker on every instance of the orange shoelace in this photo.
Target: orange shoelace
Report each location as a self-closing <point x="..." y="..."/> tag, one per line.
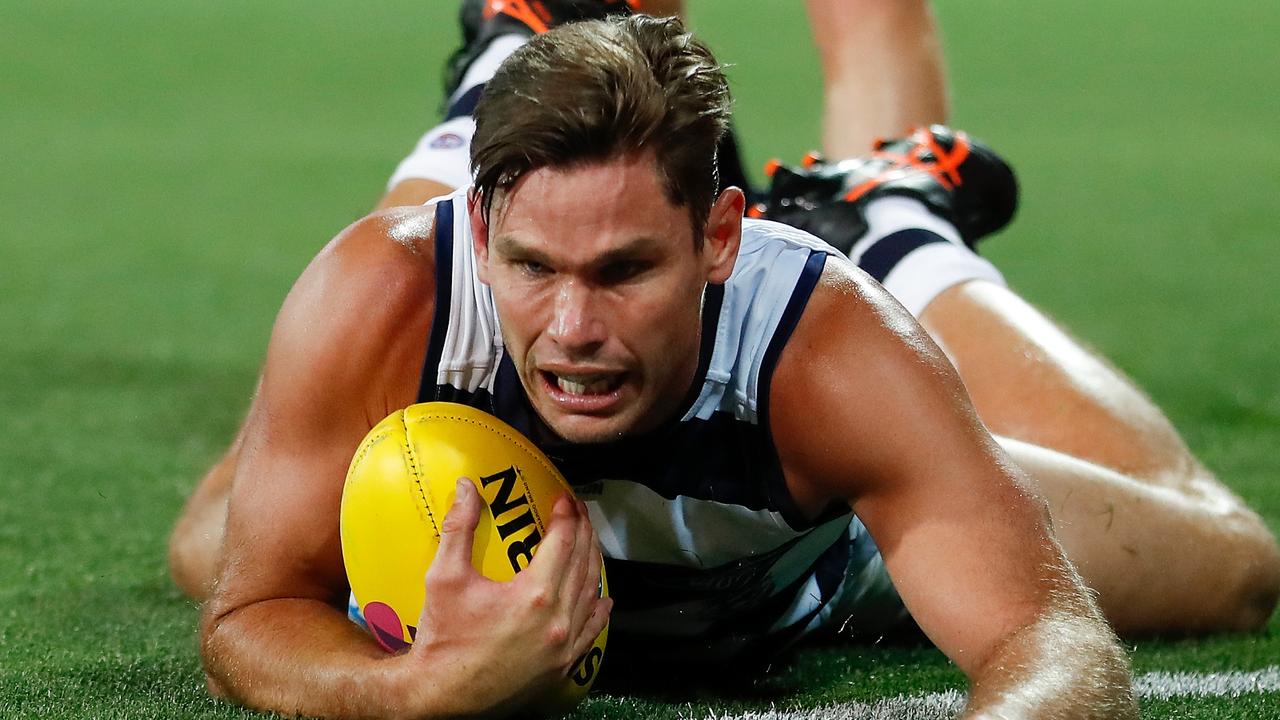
<point x="944" y="165"/>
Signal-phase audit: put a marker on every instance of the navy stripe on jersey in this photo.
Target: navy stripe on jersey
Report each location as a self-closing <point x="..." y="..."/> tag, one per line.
<point x="880" y="259"/>
<point x="666" y="613"/>
<point x="779" y="496"/>
<point x="689" y="629"/>
<point x="674" y="461"/>
<point x="712" y="301"/>
<point x="830" y="569"/>
<point x="828" y="572"/>
<point x="640" y="586"/>
<point x="466" y="103"/>
<point x="444" y="292"/>
<point x="511" y="404"/>
<point x="479" y="399"/>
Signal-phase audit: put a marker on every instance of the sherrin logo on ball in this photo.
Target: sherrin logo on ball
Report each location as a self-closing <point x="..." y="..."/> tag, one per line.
<point x="402" y="481"/>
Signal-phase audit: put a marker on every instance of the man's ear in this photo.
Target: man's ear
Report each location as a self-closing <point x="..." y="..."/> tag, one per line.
<point x="479" y="234"/>
<point x="723" y="234"/>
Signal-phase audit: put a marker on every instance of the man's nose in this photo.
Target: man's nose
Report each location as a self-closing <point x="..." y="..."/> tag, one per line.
<point x="576" y="322"/>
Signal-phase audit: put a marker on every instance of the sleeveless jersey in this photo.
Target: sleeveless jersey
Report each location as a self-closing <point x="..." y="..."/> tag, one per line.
<point x="708" y="558"/>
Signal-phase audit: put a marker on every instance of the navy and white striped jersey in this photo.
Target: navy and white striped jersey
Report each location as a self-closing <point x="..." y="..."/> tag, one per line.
<point x="707" y="555"/>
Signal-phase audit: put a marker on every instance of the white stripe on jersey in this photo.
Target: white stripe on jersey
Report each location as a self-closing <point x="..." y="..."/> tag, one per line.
<point x="755" y="298"/>
<point x="473" y="346"/>
<point x="636" y="523"/>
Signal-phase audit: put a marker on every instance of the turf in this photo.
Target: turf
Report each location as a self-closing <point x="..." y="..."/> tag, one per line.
<point x="169" y="168"/>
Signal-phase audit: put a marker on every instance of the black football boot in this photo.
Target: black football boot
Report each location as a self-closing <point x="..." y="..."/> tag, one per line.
<point x="958" y="178"/>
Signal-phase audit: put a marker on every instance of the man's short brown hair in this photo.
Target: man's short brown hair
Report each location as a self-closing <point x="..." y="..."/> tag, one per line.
<point x="590" y="91"/>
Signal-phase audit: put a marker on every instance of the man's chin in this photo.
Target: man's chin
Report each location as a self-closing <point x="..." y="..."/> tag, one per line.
<point x="587" y="430"/>
<point x="589" y="425"/>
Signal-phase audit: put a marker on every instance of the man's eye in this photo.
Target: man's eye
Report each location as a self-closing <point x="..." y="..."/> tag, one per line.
<point x="622" y="271"/>
<point x="533" y="268"/>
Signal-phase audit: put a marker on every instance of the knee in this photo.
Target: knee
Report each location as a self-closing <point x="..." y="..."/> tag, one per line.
<point x="1225" y="581"/>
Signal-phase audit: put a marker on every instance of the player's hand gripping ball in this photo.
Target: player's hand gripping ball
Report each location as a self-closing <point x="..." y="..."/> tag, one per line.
<point x="401" y="482"/>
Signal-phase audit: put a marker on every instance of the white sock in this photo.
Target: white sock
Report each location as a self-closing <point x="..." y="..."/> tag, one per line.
<point x="915" y="254"/>
<point x="444" y="152"/>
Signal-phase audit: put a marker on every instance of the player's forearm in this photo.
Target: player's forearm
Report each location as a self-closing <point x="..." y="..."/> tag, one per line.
<point x="1068" y="664"/>
<point x="296" y="656"/>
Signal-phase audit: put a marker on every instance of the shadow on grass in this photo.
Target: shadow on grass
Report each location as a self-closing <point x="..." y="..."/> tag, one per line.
<point x="822" y="671"/>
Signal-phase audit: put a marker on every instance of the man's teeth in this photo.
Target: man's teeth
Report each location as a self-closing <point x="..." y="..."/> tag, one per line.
<point x="584" y="386"/>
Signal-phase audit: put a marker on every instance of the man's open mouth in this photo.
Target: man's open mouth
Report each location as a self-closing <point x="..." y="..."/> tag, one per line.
<point x="584" y="384"/>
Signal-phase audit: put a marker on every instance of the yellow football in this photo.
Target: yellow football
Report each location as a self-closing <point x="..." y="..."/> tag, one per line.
<point x="401" y="482"/>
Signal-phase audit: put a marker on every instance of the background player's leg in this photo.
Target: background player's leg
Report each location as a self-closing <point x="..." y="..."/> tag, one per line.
<point x="413" y="191"/>
<point x="440" y="163"/>
<point x="882" y="70"/>
<point x="1031" y="381"/>
<point x="1149" y="527"/>
<point x="1166" y="545"/>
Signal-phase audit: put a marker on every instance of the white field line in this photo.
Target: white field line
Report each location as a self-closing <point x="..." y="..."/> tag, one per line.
<point x="1165" y="685"/>
<point x="945" y="704"/>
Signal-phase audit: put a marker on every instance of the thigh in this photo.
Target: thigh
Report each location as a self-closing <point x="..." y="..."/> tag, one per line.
<point x="1030" y="380"/>
<point x="1160" y="559"/>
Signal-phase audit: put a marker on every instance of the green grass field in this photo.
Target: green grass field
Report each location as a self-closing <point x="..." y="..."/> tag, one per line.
<point x="168" y="168"/>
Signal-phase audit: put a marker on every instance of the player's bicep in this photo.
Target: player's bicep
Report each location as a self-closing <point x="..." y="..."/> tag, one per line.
<point x="281" y="531"/>
<point x="963" y="533"/>
<point x="964" y="536"/>
<point x="282" y="534"/>
<point x="326" y="381"/>
<point x="966" y="542"/>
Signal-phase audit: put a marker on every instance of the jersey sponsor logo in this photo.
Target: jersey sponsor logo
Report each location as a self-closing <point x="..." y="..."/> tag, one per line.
<point x="512" y="515"/>
<point x="592" y="489"/>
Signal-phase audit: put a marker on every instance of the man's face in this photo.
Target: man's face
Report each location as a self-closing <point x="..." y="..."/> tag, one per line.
<point x="598" y="285"/>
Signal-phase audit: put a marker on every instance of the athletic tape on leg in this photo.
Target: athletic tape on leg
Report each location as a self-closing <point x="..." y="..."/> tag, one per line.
<point x="915" y="254"/>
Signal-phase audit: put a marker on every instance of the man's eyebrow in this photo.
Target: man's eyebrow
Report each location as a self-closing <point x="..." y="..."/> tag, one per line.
<point x="511" y="247"/>
<point x="630" y="250"/>
<point x="643" y="245"/>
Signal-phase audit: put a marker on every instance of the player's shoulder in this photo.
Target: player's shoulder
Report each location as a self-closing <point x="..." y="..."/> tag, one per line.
<point x="367" y="290"/>
<point x="851" y="310"/>
<point x="383" y="262"/>
<point x="397" y="240"/>
<point x="854" y="357"/>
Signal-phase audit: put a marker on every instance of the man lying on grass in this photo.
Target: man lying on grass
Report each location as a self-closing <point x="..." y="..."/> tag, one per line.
<point x="762" y="434"/>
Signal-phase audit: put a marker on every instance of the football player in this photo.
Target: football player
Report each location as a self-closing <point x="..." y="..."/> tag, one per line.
<point x="763" y="436"/>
